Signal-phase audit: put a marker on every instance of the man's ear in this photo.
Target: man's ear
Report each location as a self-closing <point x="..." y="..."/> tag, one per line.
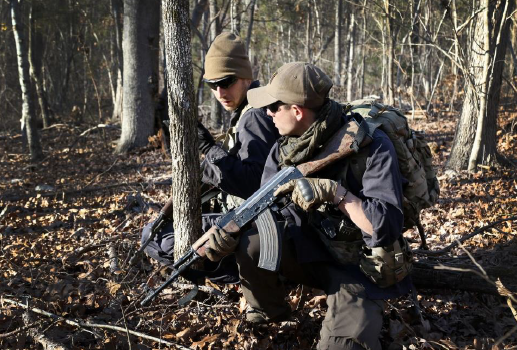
<point x="298" y="112"/>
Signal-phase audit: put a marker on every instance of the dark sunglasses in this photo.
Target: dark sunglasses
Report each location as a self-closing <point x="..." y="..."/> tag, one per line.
<point x="274" y="107"/>
<point x="224" y="83"/>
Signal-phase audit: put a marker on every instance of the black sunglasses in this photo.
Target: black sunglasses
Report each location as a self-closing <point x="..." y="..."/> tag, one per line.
<point x="224" y="83"/>
<point x="274" y="107"/>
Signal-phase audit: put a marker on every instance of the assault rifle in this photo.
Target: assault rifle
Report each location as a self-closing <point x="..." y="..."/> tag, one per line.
<point x="260" y="205"/>
<point x="163" y="217"/>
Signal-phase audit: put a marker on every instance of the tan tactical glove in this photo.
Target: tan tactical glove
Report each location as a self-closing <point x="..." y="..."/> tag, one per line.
<point x="309" y="192"/>
<point x="220" y="244"/>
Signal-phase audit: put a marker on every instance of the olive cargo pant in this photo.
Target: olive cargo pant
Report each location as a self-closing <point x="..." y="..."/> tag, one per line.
<point x="352" y="321"/>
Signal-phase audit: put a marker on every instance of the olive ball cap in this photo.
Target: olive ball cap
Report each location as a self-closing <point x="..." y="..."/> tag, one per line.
<point x="297" y="83"/>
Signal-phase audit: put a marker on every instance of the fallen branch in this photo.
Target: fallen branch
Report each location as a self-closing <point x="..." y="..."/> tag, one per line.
<point x="21" y="329"/>
<point x="4" y="212"/>
<point x="206" y="289"/>
<point x="40" y="337"/>
<point x="92" y="325"/>
<point x="86" y="132"/>
<point x="462" y="239"/>
<point x="113" y="259"/>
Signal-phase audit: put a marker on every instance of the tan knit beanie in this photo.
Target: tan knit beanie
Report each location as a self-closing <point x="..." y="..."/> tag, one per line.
<point x="227" y="56"/>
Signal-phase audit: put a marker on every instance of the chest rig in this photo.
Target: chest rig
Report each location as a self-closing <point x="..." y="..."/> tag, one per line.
<point x="230" y="143"/>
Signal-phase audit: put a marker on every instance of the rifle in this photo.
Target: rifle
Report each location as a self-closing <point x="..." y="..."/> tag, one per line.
<point x="347" y="140"/>
<point x="163" y="217"/>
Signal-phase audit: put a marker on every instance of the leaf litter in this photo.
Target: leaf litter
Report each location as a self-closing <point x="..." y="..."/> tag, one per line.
<point x="60" y="217"/>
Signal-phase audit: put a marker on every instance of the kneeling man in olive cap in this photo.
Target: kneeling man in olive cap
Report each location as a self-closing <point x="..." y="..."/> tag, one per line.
<point x="235" y="163"/>
<point x="336" y="214"/>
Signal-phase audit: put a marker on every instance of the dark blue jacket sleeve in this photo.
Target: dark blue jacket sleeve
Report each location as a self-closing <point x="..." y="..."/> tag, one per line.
<point x="240" y="174"/>
<point x="382" y="192"/>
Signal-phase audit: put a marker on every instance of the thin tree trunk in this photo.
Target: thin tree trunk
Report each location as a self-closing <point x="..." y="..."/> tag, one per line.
<point x="308" y="33"/>
<point x="28" y="119"/>
<point x="363" y="53"/>
<point x="389" y="53"/>
<point x="35" y="69"/>
<point x="337" y="43"/>
<point x="116" y="9"/>
<point x="183" y="116"/>
<point x="216" y="119"/>
<point x="350" y="65"/>
<point x="454" y="16"/>
<point x="250" y="25"/>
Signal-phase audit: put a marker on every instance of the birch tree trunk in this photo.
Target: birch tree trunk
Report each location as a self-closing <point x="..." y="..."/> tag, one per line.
<point x="183" y="117"/>
<point x="141" y="46"/>
<point x="28" y="119"/>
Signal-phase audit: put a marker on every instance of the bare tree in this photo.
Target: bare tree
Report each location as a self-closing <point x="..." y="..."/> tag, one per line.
<point x="140" y="76"/>
<point x="28" y="119"/>
<point x="475" y="141"/>
<point x="183" y="117"/>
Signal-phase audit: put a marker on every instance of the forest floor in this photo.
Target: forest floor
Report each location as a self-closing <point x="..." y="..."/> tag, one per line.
<point x="69" y="225"/>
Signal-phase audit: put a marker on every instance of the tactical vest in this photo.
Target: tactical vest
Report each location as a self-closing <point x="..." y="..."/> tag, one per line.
<point x="230" y="143"/>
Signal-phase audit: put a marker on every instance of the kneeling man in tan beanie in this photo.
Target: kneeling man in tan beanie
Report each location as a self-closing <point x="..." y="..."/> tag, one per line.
<point x="235" y="164"/>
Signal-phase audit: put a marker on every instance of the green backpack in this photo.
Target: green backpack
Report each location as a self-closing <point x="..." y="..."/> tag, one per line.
<point x="414" y="157"/>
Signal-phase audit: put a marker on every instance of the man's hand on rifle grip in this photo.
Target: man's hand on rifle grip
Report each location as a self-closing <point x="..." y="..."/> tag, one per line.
<point x="309" y="192"/>
<point x="220" y="243"/>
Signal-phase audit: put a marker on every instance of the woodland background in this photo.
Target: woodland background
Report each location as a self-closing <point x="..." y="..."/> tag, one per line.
<point x="91" y="163"/>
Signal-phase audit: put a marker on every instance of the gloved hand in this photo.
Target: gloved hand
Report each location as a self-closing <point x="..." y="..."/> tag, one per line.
<point x="206" y="140"/>
<point x="309" y="192"/>
<point x="220" y="244"/>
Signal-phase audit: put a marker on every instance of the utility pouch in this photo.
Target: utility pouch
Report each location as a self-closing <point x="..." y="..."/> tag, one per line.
<point x="340" y="235"/>
<point x="386" y="266"/>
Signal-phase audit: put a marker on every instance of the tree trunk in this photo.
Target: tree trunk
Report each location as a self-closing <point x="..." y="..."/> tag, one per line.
<point x="308" y="29"/>
<point x="467" y="128"/>
<point x="140" y="45"/>
<point x="389" y="54"/>
<point x="216" y="121"/>
<point x="116" y="9"/>
<point x="454" y="16"/>
<point x="250" y="25"/>
<point x="363" y="53"/>
<point x="350" y="65"/>
<point x="483" y="30"/>
<point x="183" y="116"/>
<point x="337" y="42"/>
<point x="35" y="61"/>
<point x="28" y="119"/>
